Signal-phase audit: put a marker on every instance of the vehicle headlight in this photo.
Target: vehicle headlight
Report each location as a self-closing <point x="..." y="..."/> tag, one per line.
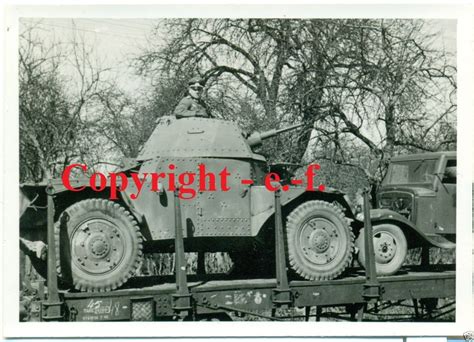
<point x="401" y="203"/>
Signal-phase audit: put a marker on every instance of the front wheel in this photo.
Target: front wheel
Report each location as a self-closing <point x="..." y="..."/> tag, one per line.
<point x="320" y="240"/>
<point x="390" y="248"/>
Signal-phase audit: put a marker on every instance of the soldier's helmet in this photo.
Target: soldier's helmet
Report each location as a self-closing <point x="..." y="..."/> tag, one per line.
<point x="196" y="81"/>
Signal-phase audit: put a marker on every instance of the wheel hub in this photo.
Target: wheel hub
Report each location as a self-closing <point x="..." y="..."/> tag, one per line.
<point x="385" y="247"/>
<point x="318" y="238"/>
<point x="97" y="247"/>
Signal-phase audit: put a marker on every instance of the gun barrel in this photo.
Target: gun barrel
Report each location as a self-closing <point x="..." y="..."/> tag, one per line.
<point x="256" y="138"/>
<point x="273" y="132"/>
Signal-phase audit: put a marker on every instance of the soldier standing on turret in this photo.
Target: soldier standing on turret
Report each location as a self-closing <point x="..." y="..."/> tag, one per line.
<point x="192" y="105"/>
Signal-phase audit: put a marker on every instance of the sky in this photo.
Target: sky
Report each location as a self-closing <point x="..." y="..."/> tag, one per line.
<point x="113" y="42"/>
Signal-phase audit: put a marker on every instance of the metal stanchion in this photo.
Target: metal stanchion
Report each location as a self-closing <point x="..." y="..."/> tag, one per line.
<point x="51" y="307"/>
<point x="182" y="297"/>
<point x="282" y="293"/>
<point x="372" y="288"/>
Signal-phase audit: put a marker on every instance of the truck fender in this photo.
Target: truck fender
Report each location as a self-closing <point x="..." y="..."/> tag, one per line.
<point x="390" y="216"/>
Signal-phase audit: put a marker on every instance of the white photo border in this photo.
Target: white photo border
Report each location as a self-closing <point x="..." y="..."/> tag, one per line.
<point x="464" y="305"/>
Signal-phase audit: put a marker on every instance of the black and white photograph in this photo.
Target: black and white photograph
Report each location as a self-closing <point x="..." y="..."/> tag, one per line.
<point x="257" y="170"/>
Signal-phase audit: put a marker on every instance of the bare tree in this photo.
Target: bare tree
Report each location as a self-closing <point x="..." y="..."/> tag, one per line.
<point x="54" y="130"/>
<point x="369" y="86"/>
<point x="379" y="88"/>
<point x="253" y="52"/>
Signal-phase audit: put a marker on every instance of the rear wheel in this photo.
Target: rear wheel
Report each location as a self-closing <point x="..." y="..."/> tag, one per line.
<point x="390" y="248"/>
<point x="98" y="245"/>
<point x="320" y="240"/>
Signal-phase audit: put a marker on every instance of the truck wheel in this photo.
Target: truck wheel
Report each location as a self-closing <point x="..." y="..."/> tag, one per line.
<point x="390" y="248"/>
<point x="98" y="245"/>
<point x="320" y="240"/>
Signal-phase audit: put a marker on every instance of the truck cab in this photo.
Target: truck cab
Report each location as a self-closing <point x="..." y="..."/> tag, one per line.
<point x="422" y="188"/>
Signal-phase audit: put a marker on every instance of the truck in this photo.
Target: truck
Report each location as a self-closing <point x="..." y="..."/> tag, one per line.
<point x="415" y="207"/>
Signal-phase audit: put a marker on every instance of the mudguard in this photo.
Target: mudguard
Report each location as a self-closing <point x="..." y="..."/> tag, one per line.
<point x="387" y="215"/>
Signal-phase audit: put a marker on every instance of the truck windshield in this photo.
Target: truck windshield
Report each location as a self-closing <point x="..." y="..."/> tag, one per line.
<point x="411" y="172"/>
